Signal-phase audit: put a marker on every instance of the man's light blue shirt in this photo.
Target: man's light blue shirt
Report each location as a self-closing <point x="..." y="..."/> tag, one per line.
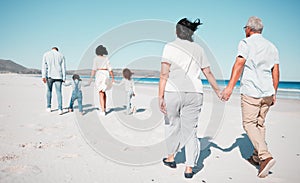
<point x="261" y="56"/>
<point x="53" y="65"/>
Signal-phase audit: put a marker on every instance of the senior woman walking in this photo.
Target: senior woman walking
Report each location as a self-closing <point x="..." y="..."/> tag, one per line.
<point x="181" y="93"/>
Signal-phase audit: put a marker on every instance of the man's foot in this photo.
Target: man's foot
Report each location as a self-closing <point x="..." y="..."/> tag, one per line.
<point x="265" y="167"/>
<point x="171" y="164"/>
<point x="48" y="109"/>
<point x="60" y="112"/>
<point x="70" y="110"/>
<point x="252" y="161"/>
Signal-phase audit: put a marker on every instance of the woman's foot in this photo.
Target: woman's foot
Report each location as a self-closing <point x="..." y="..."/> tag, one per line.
<point x="169" y="163"/>
<point x="188" y="173"/>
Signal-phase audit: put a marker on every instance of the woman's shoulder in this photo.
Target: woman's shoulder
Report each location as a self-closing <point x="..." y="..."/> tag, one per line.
<point x="100" y="59"/>
<point x="197" y="46"/>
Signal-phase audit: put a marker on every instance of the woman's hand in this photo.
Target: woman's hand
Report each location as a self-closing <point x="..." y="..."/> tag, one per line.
<point x="162" y="105"/>
<point x="90" y="81"/>
<point x="226" y="93"/>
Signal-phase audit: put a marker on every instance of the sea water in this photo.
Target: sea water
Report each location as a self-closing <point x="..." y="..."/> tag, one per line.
<point x="286" y="89"/>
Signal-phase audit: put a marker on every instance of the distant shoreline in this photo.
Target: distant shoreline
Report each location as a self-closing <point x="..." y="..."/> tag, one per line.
<point x="286" y="90"/>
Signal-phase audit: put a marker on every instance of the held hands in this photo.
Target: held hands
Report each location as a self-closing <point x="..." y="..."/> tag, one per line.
<point x="44" y="80"/>
<point x="225" y="94"/>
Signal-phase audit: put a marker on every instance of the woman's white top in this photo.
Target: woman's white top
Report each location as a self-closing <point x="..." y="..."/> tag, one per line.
<point x="101" y="63"/>
<point x="186" y="60"/>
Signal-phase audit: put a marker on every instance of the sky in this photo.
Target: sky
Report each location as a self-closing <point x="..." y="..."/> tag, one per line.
<point x="30" y="28"/>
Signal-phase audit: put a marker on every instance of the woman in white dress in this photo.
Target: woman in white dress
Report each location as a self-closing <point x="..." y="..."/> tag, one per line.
<point x="102" y="70"/>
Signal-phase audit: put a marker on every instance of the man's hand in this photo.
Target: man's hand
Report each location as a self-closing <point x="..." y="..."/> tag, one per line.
<point x="226" y="93"/>
<point x="274" y="99"/>
<point x="44" y="80"/>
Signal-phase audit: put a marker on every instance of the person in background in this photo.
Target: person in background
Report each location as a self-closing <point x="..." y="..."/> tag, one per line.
<point x="102" y="70"/>
<point x="76" y="84"/>
<point x="181" y="93"/>
<point x="257" y="66"/>
<point x="129" y="88"/>
<point x="54" y="72"/>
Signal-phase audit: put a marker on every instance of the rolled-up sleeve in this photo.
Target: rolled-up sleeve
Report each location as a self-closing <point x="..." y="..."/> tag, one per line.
<point x="44" y="67"/>
<point x="63" y="68"/>
<point x="243" y="49"/>
<point x="204" y="60"/>
<point x="276" y="56"/>
<point x="167" y="54"/>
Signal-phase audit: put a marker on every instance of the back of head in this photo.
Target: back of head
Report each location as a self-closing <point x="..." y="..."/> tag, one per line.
<point x="185" y="28"/>
<point x="55" y="48"/>
<point x="127" y="73"/>
<point x="255" y="24"/>
<point x="101" y="50"/>
<point x="76" y="76"/>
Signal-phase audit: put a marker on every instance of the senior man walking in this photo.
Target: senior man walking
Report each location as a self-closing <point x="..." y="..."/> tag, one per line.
<point x="257" y="63"/>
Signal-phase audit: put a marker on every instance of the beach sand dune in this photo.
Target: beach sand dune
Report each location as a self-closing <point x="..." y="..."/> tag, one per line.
<point x="37" y="146"/>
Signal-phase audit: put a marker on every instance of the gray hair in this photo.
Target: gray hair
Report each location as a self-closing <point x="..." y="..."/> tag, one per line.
<point x="255" y="24"/>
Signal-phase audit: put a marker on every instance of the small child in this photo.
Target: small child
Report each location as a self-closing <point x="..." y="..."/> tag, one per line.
<point x="76" y="93"/>
<point x="129" y="88"/>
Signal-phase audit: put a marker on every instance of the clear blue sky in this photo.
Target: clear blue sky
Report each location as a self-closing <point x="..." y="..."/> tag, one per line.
<point x="30" y="28"/>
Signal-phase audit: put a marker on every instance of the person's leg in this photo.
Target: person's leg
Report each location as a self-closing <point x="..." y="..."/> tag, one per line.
<point x="49" y="92"/>
<point x="73" y="97"/>
<point x="267" y="161"/>
<point x="251" y="112"/>
<point x="189" y="121"/>
<point x="79" y="97"/>
<point x="102" y="100"/>
<point x="129" y="96"/>
<point x="58" y="84"/>
<point x="172" y="124"/>
<point x="263" y="152"/>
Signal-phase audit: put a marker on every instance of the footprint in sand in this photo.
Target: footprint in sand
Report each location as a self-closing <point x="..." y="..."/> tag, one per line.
<point x="70" y="137"/>
<point x="8" y="157"/>
<point x="67" y="156"/>
<point x="21" y="169"/>
<point x="41" y="145"/>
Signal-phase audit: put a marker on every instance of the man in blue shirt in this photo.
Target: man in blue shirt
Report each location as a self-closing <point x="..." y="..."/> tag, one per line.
<point x="257" y="66"/>
<point x="54" y="72"/>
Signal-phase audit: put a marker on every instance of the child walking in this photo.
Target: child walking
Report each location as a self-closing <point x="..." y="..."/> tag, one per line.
<point x="129" y="88"/>
<point x="76" y="93"/>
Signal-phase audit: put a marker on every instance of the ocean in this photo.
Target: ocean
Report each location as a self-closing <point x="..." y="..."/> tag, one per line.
<point x="286" y="89"/>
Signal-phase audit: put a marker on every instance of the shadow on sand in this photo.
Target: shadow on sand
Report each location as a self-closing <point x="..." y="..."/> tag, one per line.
<point x="243" y="143"/>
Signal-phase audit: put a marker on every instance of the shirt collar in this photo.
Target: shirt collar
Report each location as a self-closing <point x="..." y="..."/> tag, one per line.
<point x="256" y="35"/>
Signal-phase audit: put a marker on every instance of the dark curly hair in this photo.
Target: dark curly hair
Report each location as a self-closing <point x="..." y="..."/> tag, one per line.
<point x="185" y="28"/>
<point x="127" y="73"/>
<point x="76" y="76"/>
<point x="101" y="50"/>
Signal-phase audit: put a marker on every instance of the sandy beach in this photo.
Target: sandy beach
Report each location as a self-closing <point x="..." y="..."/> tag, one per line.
<point x="38" y="146"/>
